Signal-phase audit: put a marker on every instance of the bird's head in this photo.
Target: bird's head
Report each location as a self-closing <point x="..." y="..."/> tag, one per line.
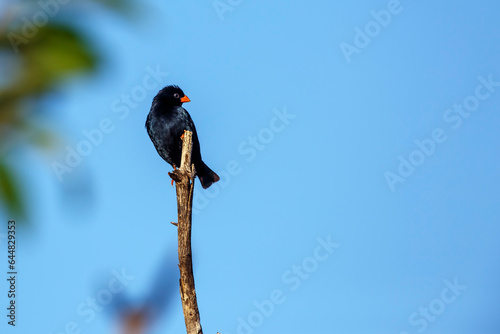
<point x="172" y="95"/>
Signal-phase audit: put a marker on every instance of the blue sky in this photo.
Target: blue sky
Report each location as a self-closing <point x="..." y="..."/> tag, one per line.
<point x="304" y="233"/>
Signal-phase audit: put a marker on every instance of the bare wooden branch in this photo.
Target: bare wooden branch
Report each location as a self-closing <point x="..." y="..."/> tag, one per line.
<point x="184" y="184"/>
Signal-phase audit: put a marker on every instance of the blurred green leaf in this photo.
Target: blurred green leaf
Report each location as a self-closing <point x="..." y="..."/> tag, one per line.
<point x="56" y="52"/>
<point x="37" y="65"/>
<point x="9" y="192"/>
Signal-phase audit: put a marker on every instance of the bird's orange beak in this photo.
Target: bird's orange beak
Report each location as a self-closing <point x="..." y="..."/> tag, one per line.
<point x="185" y="99"/>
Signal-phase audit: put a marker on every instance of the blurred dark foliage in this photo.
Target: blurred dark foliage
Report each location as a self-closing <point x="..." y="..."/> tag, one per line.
<point x="139" y="315"/>
<point x="39" y="49"/>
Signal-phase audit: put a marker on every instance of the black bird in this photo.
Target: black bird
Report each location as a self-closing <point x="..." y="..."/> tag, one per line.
<point x="166" y="123"/>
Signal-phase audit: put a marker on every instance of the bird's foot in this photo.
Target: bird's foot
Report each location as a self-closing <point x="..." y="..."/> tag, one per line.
<point x="175" y="175"/>
<point x="170" y="174"/>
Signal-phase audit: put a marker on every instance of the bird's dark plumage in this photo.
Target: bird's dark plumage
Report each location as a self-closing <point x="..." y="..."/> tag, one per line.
<point x="166" y="123"/>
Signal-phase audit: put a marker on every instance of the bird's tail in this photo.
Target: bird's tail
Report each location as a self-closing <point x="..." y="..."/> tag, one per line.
<point x="207" y="176"/>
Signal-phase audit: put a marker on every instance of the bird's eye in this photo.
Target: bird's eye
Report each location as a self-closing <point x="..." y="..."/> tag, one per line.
<point x="176" y="95"/>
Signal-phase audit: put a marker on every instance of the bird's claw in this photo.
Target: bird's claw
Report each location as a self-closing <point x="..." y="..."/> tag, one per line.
<point x="175" y="168"/>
